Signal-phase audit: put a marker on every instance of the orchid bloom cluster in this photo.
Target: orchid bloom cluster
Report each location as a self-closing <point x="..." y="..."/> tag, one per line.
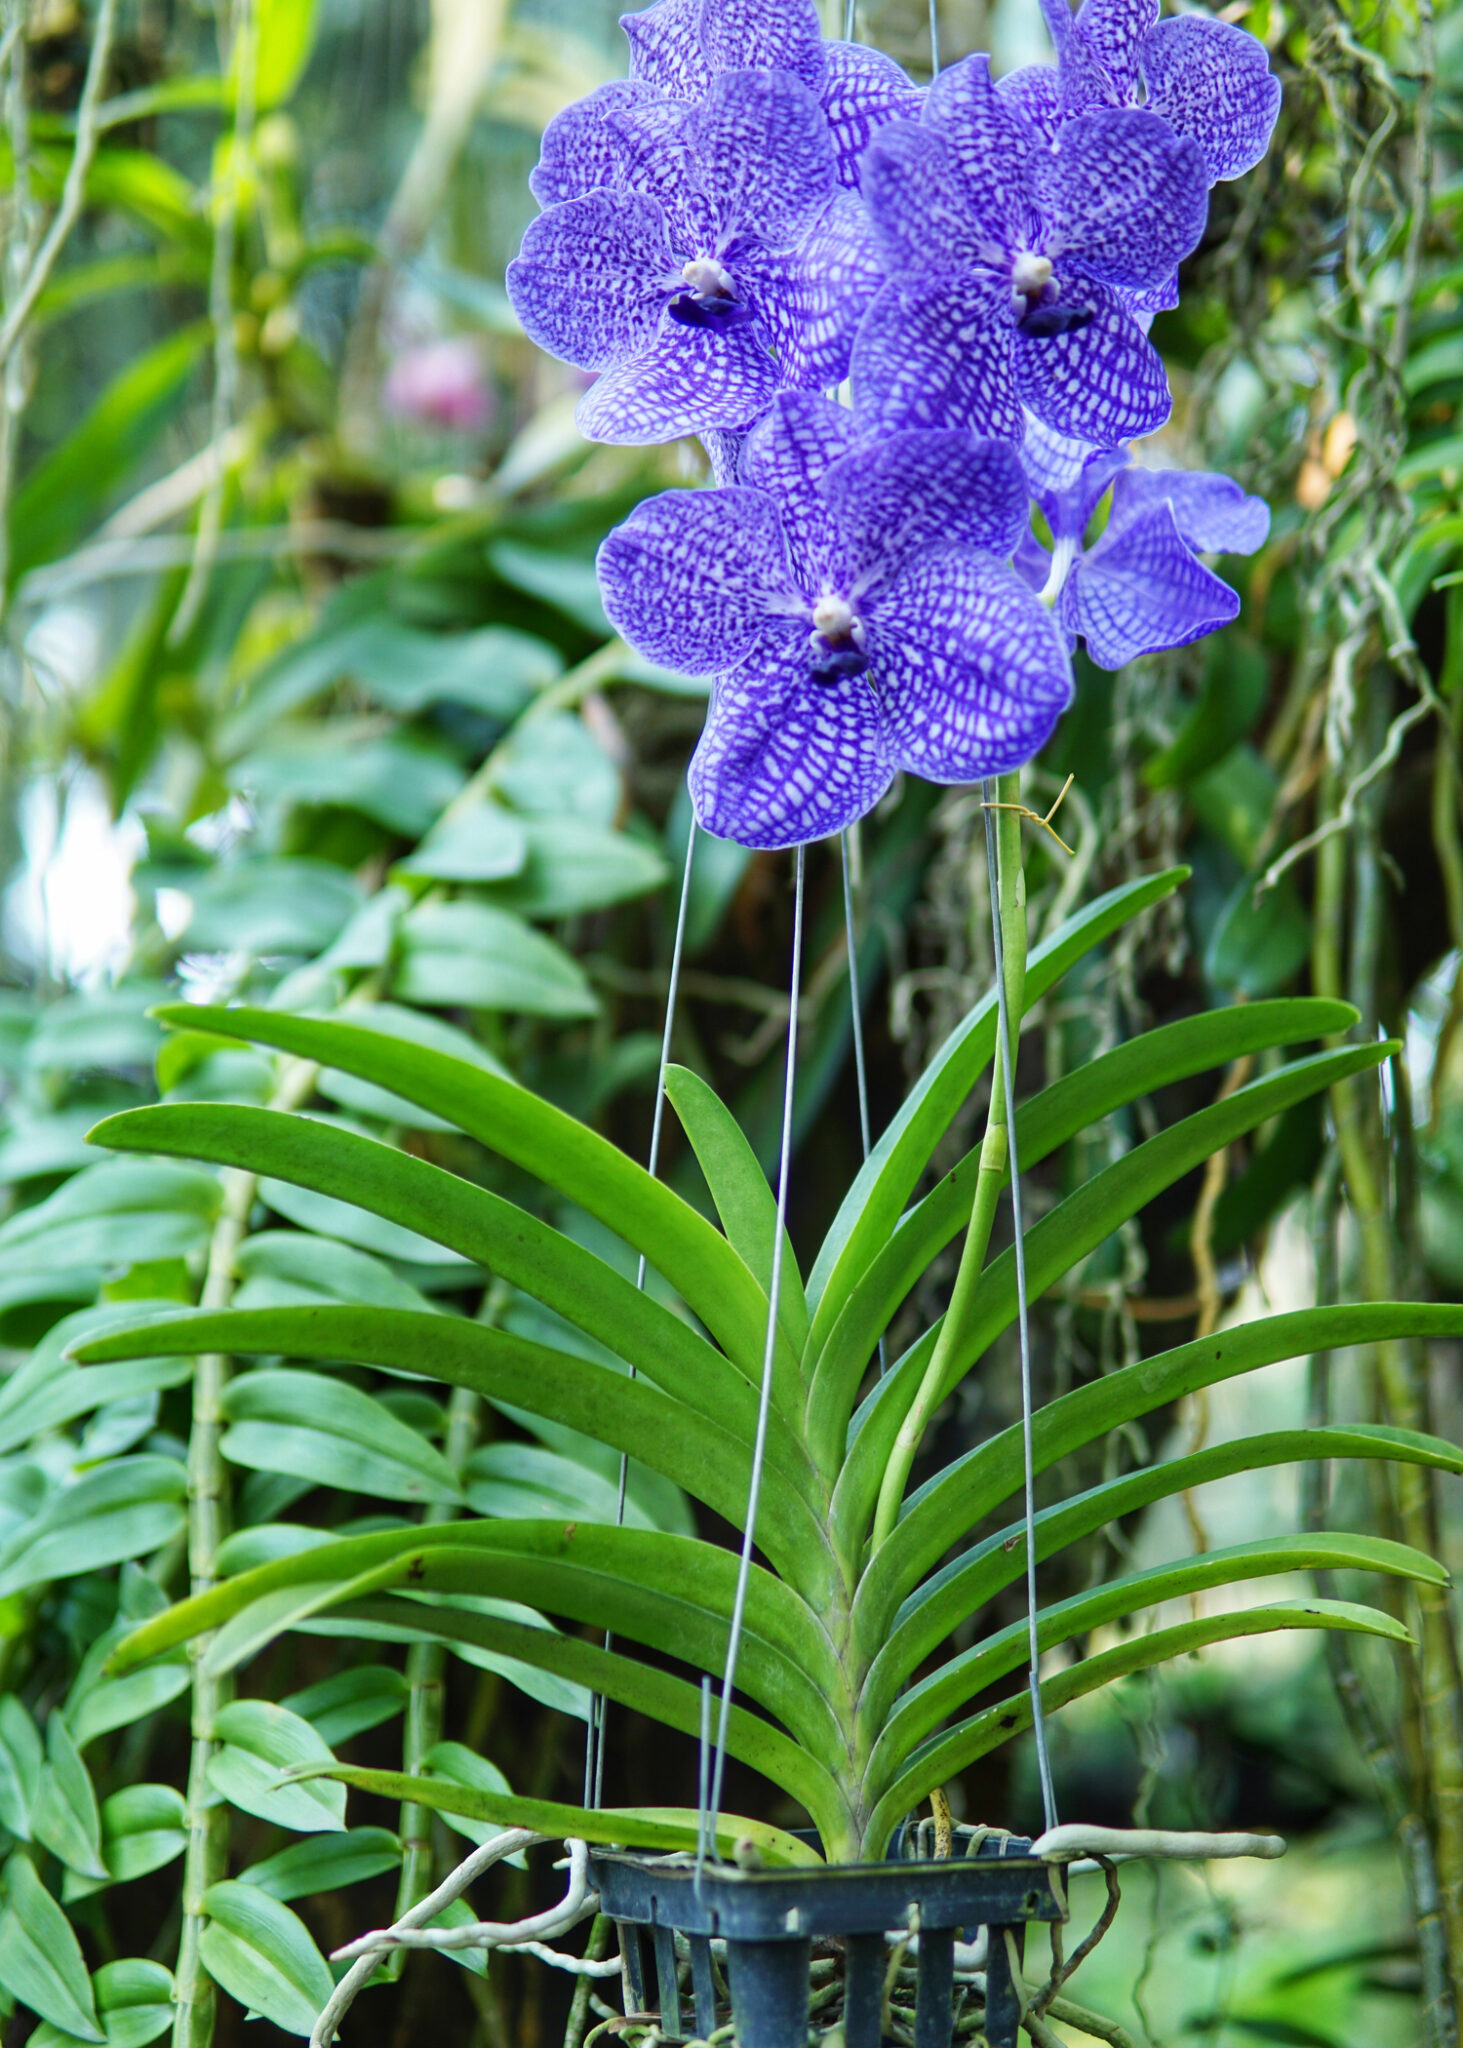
<point x="758" y="225"/>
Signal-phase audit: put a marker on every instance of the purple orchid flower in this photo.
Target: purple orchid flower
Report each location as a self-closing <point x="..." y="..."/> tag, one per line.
<point x="854" y="606"/>
<point x="719" y="264"/>
<point x="1141" y="587"/>
<point x="678" y="47"/>
<point x="1209" y="80"/>
<point x="1014" y="265"/>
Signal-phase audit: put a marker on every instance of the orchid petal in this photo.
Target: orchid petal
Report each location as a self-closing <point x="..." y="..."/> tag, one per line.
<point x="787" y="454"/>
<point x="992" y="142"/>
<point x="592" y="277"/>
<point x="1123" y="193"/>
<point x="921" y="490"/>
<point x="969" y="668"/>
<point x="1113" y="31"/>
<point x="689" y="379"/>
<point x="938" y="359"/>
<point x="782" y="35"/>
<point x="1034" y="93"/>
<point x="1212" y="513"/>
<point x="766" y="155"/>
<point x="1103" y="382"/>
<point x="863" y="91"/>
<point x="665" y="47"/>
<point x="1212" y="82"/>
<point x="692" y="576"/>
<point x="924" y="227"/>
<point x="581" y="149"/>
<point x="1140" y="590"/>
<point x="787" y="758"/>
<point x="813" y="297"/>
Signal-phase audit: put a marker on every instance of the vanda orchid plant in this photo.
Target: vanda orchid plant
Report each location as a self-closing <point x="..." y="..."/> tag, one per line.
<point x="754" y="219"/>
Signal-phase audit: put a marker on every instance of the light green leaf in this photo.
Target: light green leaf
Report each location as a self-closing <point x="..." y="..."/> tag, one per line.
<point x="40" y="1958"/>
<point x="350" y="1702"/>
<point x="50" y="1389"/>
<point x="117" y="1511"/>
<point x="266" y="905"/>
<point x="260" y="1741"/>
<point x="511" y="1480"/>
<point x="262" y="1955"/>
<point x="401" y="781"/>
<point x="335" y="1216"/>
<point x="114" y="1214"/>
<point x="455" y="1764"/>
<point x="20" y="1766"/>
<point x="325" y="1863"/>
<point x="471" y="955"/>
<point x="106" y="1029"/>
<point x="64" y="1817"/>
<point x="144" y="1827"/>
<point x="483" y="843"/>
<point x="134" y="2000"/>
<point x="328" y="1431"/>
<point x="635" y="1827"/>
<point x="284" y="37"/>
<point x="555" y="768"/>
<point x="744" y="1201"/>
<point x="567" y="582"/>
<point x="278" y="1268"/>
<point x="571" y="867"/>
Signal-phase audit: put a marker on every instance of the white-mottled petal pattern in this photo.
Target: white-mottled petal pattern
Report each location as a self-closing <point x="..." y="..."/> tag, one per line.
<point x="924" y="228"/>
<point x="1212" y="81"/>
<point x="591" y="278"/>
<point x="787" y="454"/>
<point x="1140" y="590"/>
<point x="778" y="35"/>
<point x="922" y="490"/>
<point x="766" y="154"/>
<point x="1102" y="383"/>
<point x="691" y="577"/>
<point x="1113" y="31"/>
<point x="863" y="91"/>
<point x="581" y="150"/>
<point x="1034" y="92"/>
<point x="813" y="297"/>
<point x="689" y="380"/>
<point x="786" y="758"/>
<point x="665" y="47"/>
<point x="1211" y="512"/>
<point x="941" y="358"/>
<point x="992" y="142"/>
<point x="1125" y="194"/>
<point x="969" y="668"/>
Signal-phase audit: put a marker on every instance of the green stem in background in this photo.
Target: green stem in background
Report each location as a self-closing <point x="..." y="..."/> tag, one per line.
<point x="206" y="1819"/>
<point x="990" y="1176"/>
<point x="426" y="1673"/>
<point x="1401" y="1372"/>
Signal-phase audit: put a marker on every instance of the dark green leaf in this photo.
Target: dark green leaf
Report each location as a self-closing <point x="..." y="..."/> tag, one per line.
<point x="325" y="1863"/>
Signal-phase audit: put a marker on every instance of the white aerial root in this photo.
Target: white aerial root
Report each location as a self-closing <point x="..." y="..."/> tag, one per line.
<point x="413" y="1930"/>
<point x="1124" y="1845"/>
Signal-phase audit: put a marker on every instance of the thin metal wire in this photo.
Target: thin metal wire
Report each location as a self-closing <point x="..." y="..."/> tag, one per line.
<point x="934" y="38"/>
<point x="1008" y="1065"/>
<point x="759" y="1448"/>
<point x="594" y="1760"/>
<point x="703" y="1783"/>
<point x="849" y="12"/>
<point x="856" y="1007"/>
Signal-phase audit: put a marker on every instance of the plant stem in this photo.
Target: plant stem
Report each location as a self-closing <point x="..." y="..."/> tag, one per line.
<point x="990" y="1176"/>
<point x="207" y="1816"/>
<point x="1402" y="1385"/>
<point x="426" y="1668"/>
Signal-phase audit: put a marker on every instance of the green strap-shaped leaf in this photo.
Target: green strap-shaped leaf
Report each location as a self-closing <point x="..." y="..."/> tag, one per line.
<point x="674" y="1702"/>
<point x="633" y="1827"/>
<point x="875" y="1202"/>
<point x="707" y="1272"/>
<point x="744" y="1201"/>
<point x="965" y="1585"/>
<point x="263" y="1956"/>
<point x="1151" y="1061"/>
<point x="1060" y="1241"/>
<point x="940" y="1760"/>
<point x="678" y="1628"/>
<point x="470" y="1220"/>
<point x="925" y="1706"/>
<point x="41" y="1963"/>
<point x="627" y="1414"/>
<point x="976" y="1484"/>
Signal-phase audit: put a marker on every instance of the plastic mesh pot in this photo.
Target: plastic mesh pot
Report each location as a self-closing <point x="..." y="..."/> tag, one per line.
<point x="770" y="1919"/>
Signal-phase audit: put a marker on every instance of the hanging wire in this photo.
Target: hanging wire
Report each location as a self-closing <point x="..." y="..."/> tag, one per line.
<point x="594" y="1745"/>
<point x="934" y="38"/>
<point x="1008" y="1065"/>
<point x="849" y="13"/>
<point x="860" y="1069"/>
<point x="759" y="1448"/>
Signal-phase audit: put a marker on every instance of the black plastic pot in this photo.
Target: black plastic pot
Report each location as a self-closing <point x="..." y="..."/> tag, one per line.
<point x="770" y="1919"/>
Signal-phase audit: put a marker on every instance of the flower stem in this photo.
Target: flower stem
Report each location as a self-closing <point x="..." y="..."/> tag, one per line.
<point x="207" y="1816"/>
<point x="989" y="1177"/>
